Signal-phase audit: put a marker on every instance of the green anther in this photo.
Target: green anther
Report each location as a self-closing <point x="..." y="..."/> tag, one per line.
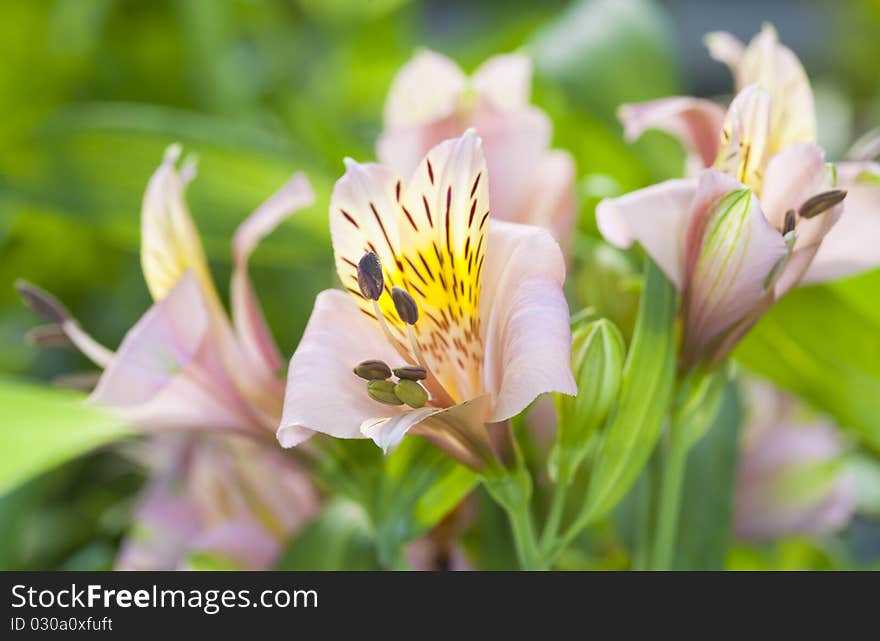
<point x="411" y="372"/>
<point x="373" y="370"/>
<point x="411" y="393"/>
<point x="383" y="392"/>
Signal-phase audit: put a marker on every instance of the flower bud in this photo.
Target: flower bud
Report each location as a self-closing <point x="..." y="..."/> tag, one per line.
<point x="411" y="393"/>
<point x="370" y="279"/>
<point x="383" y="392"/>
<point x="597" y="362"/>
<point x="373" y="370"/>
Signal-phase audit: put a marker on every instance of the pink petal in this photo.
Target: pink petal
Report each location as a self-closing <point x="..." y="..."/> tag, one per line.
<point x="323" y="394"/>
<point x="656" y="217"/>
<point x="695" y="122"/>
<point x="793" y="175"/>
<point x="505" y="81"/>
<point x="250" y="325"/>
<point x="169" y="373"/>
<point x="387" y="432"/>
<point x="851" y="246"/>
<point x="244" y="541"/>
<point x="526" y="330"/>
<point x="731" y="250"/>
<point x="514" y="142"/>
<point x="429" y="87"/>
<point x="551" y="201"/>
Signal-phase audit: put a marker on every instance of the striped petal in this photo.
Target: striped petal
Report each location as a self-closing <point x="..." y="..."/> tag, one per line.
<point x="744" y="148"/>
<point x="170" y="243"/>
<point x="430" y="238"/>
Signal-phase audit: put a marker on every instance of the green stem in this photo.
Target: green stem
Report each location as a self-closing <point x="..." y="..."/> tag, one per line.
<point x="524" y="539"/>
<point x="671" y="485"/>
<point x="645" y="514"/>
<point x="554" y="517"/>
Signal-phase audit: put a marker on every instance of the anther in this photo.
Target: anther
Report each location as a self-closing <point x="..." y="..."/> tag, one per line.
<point x="41" y="302"/>
<point x="819" y="203"/>
<point x="790" y="220"/>
<point x="411" y="372"/>
<point x="373" y="370"/>
<point x="405" y="305"/>
<point x="370" y="279"/>
<point x="383" y="392"/>
<point x="411" y="393"/>
<point x="50" y="335"/>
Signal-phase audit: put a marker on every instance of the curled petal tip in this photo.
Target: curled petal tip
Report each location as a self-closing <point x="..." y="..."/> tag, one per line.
<point x="172" y="153"/>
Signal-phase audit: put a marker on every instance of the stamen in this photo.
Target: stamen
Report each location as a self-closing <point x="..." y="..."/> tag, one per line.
<point x="411" y="393"/>
<point x="819" y="203"/>
<point x="41" y="302"/>
<point x="370" y="279"/>
<point x="405" y="305"/>
<point x="411" y="372"/>
<point x="51" y="335"/>
<point x="383" y="392"/>
<point x="373" y="370"/>
<point x="790" y="220"/>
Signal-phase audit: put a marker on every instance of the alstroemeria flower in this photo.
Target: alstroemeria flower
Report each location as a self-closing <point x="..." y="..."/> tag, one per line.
<point x="790" y="480"/>
<point x="743" y="232"/>
<point x="475" y="310"/>
<point x="218" y="495"/>
<point x="184" y="364"/>
<point x="432" y="100"/>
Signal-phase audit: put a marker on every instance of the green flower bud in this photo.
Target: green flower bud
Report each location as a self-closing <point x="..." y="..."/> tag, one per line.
<point x="383" y="392"/>
<point x="411" y="372"/>
<point x="411" y="393"/>
<point x="597" y="363"/>
<point x="373" y="370"/>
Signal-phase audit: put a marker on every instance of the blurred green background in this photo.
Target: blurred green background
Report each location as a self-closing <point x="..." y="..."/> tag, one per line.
<point x="92" y="91"/>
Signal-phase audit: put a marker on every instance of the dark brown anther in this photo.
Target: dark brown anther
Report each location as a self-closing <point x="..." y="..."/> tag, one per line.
<point x="373" y="370"/>
<point x="790" y="220"/>
<point x="370" y="279"/>
<point x="41" y="302"/>
<point x="405" y="305"/>
<point x="819" y="203"/>
<point x="411" y="373"/>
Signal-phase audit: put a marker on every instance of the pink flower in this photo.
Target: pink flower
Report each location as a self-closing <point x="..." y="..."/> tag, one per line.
<point x="477" y="312"/>
<point x="432" y="100"/>
<point x="738" y="235"/>
<point x="184" y="364"/>
<point x="219" y="495"/>
<point x="790" y="480"/>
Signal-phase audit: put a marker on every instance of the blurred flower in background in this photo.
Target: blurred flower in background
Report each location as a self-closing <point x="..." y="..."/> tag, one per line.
<point x="214" y="502"/>
<point x="431" y="100"/>
<point x="791" y="479"/>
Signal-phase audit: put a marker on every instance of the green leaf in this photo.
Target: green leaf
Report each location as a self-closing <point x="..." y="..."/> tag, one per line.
<point x="648" y="379"/>
<point x="821" y="346"/>
<point x="707" y="499"/>
<point x="340" y="538"/>
<point x="420" y="485"/>
<point x="43" y="427"/>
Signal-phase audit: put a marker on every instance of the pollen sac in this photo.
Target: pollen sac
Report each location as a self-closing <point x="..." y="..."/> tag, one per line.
<point x="370" y="279"/>
<point x="41" y="302"/>
<point x="411" y="373"/>
<point x="821" y="202"/>
<point x="405" y="305"/>
<point x="790" y="220"/>
<point x="373" y="370"/>
<point x="411" y="393"/>
<point x="383" y="392"/>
